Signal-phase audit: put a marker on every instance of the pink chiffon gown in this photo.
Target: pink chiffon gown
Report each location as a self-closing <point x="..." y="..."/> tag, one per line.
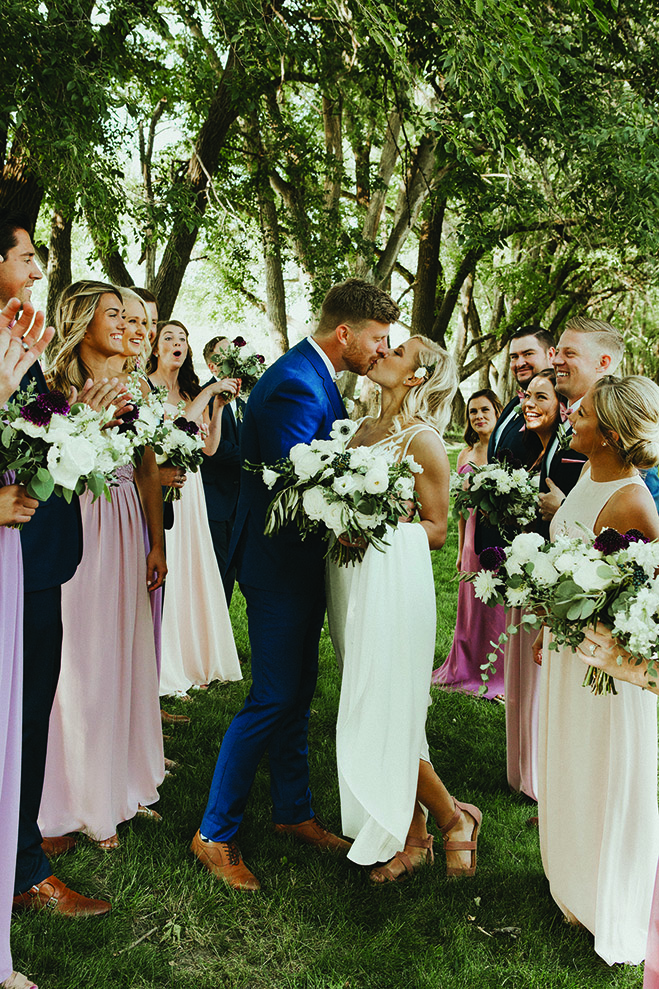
<point x="105" y="752"/>
<point x="476" y="627"/>
<point x="651" y="978"/>
<point x="11" y="697"/>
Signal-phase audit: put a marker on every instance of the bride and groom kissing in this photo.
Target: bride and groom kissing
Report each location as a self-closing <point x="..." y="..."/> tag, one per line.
<point x="283" y="580"/>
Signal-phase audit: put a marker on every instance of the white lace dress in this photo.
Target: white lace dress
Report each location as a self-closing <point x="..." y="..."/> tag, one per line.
<point x="597" y="781"/>
<point x="382" y="618"/>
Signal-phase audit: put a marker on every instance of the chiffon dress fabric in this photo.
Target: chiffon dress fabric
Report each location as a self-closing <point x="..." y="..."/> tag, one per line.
<point x="651" y="975"/>
<point x="476" y="627"/>
<point x="382" y="619"/>
<point x="597" y="781"/>
<point x="197" y="638"/>
<point x="522" y="685"/>
<point x="105" y="752"/>
<point x="11" y="698"/>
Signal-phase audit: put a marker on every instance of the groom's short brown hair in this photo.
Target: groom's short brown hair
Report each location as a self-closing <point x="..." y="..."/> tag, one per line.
<point x="355" y="302"/>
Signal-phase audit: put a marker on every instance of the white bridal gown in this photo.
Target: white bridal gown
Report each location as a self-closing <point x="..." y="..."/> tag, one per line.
<point x="597" y="781"/>
<point x="382" y="619"/>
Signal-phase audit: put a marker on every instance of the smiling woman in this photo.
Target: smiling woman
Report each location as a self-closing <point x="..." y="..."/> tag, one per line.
<point x="106" y="613"/>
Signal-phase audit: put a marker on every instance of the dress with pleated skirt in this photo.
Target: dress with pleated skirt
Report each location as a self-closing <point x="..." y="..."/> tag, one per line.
<point x="105" y="751"/>
<point x="597" y="781"/>
<point x="197" y="638"/>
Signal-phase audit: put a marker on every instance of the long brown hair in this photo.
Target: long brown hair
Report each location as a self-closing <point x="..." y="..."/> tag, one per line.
<point x="188" y="382"/>
<point x="470" y="435"/>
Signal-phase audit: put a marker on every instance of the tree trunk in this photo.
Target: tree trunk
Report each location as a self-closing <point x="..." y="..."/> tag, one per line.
<point x="428" y="273"/>
<point x="334" y="151"/>
<point x="388" y="159"/>
<point x="222" y="113"/>
<point x="59" y="264"/>
<point x="269" y="223"/>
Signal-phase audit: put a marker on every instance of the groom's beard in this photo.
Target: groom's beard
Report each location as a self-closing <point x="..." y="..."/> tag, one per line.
<point x="356" y="360"/>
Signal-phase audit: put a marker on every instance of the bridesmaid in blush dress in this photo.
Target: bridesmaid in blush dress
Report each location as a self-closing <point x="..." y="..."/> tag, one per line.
<point x="597" y="766"/>
<point x="197" y="638"/>
<point x="105" y="757"/>
<point x="476" y="625"/>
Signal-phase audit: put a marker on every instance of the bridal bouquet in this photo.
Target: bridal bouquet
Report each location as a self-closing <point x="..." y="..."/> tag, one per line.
<point x="146" y="421"/>
<point x="180" y="445"/>
<point x="57" y="448"/>
<point x="236" y="362"/>
<point x="572" y="583"/>
<point x="325" y="487"/>
<point x="506" y="496"/>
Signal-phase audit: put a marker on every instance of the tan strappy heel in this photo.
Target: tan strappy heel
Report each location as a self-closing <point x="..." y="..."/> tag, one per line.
<point x="383" y="873"/>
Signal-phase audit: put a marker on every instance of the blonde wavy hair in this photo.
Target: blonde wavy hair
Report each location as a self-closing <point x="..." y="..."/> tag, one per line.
<point x="145" y="350"/>
<point x="430" y="401"/>
<point x="629" y="407"/>
<point x="75" y="310"/>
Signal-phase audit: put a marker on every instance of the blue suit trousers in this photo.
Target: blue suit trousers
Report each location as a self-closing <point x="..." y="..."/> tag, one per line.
<point x="284" y="633"/>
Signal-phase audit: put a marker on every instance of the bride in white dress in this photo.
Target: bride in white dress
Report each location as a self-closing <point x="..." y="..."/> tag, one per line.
<point x="382" y="617"/>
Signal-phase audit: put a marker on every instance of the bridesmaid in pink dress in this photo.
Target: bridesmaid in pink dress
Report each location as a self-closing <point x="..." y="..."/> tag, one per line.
<point x="105" y="757"/>
<point x="476" y="624"/>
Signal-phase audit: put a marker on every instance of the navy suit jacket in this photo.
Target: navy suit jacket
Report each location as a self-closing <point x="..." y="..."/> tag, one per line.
<point x="295" y="401"/>
<point x="52" y="540"/>
<point x="221" y="472"/>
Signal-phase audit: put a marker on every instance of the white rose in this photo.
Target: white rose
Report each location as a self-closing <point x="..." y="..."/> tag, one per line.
<point x="404" y="487"/>
<point x="593" y="575"/>
<point x="335" y="517"/>
<point x="368" y="521"/>
<point x="73" y="460"/>
<point x="525" y="546"/>
<point x="544" y="572"/>
<point x="29" y="428"/>
<point x="376" y="480"/>
<point x="306" y="462"/>
<point x="314" y="503"/>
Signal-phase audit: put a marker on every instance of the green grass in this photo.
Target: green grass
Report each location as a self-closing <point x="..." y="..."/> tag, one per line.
<point x="318" y="924"/>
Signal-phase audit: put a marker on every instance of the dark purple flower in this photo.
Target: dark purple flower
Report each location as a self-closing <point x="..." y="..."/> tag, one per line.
<point x="54" y="402"/>
<point x="239" y="342"/>
<point x="36" y="414"/>
<point x="492" y="558"/>
<point x="191" y="428"/>
<point x="635" y="536"/>
<point x="129" y="419"/>
<point x="610" y="541"/>
<point x="260" y="358"/>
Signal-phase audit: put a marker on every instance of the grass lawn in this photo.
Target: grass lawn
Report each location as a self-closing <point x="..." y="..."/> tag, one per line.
<point x="318" y="924"/>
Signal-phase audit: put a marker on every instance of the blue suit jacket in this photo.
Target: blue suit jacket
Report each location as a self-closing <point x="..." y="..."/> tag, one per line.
<point x="52" y="540"/>
<point x="221" y="472"/>
<point x="295" y="401"/>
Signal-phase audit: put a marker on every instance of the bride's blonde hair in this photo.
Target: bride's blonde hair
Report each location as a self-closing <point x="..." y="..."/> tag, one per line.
<point x="431" y="400"/>
<point x="75" y="310"/>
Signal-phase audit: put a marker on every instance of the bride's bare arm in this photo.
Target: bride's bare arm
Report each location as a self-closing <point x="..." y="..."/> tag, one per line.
<point x="432" y="487"/>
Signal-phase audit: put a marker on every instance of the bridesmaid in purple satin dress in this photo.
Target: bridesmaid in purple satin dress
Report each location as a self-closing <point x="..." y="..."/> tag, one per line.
<point x="476" y="624"/>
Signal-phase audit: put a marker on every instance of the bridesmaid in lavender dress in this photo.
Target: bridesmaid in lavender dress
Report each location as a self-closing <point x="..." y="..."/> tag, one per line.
<point x="15" y="507"/>
<point x="476" y="625"/>
<point x="105" y="757"/>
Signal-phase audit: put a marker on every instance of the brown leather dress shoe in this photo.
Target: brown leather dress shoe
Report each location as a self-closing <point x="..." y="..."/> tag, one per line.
<point x="57" y="846"/>
<point x="52" y="894"/>
<point x="224" y="860"/>
<point x="314" y="832"/>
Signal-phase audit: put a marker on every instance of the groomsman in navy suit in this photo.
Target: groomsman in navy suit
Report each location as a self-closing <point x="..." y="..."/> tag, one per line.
<point x="221" y="476"/>
<point x="587" y="350"/>
<point x="52" y="546"/>
<point x="531" y="350"/>
<point x="282" y="578"/>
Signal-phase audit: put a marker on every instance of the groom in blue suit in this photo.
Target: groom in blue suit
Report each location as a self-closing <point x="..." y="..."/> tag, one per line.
<point x="282" y="579"/>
